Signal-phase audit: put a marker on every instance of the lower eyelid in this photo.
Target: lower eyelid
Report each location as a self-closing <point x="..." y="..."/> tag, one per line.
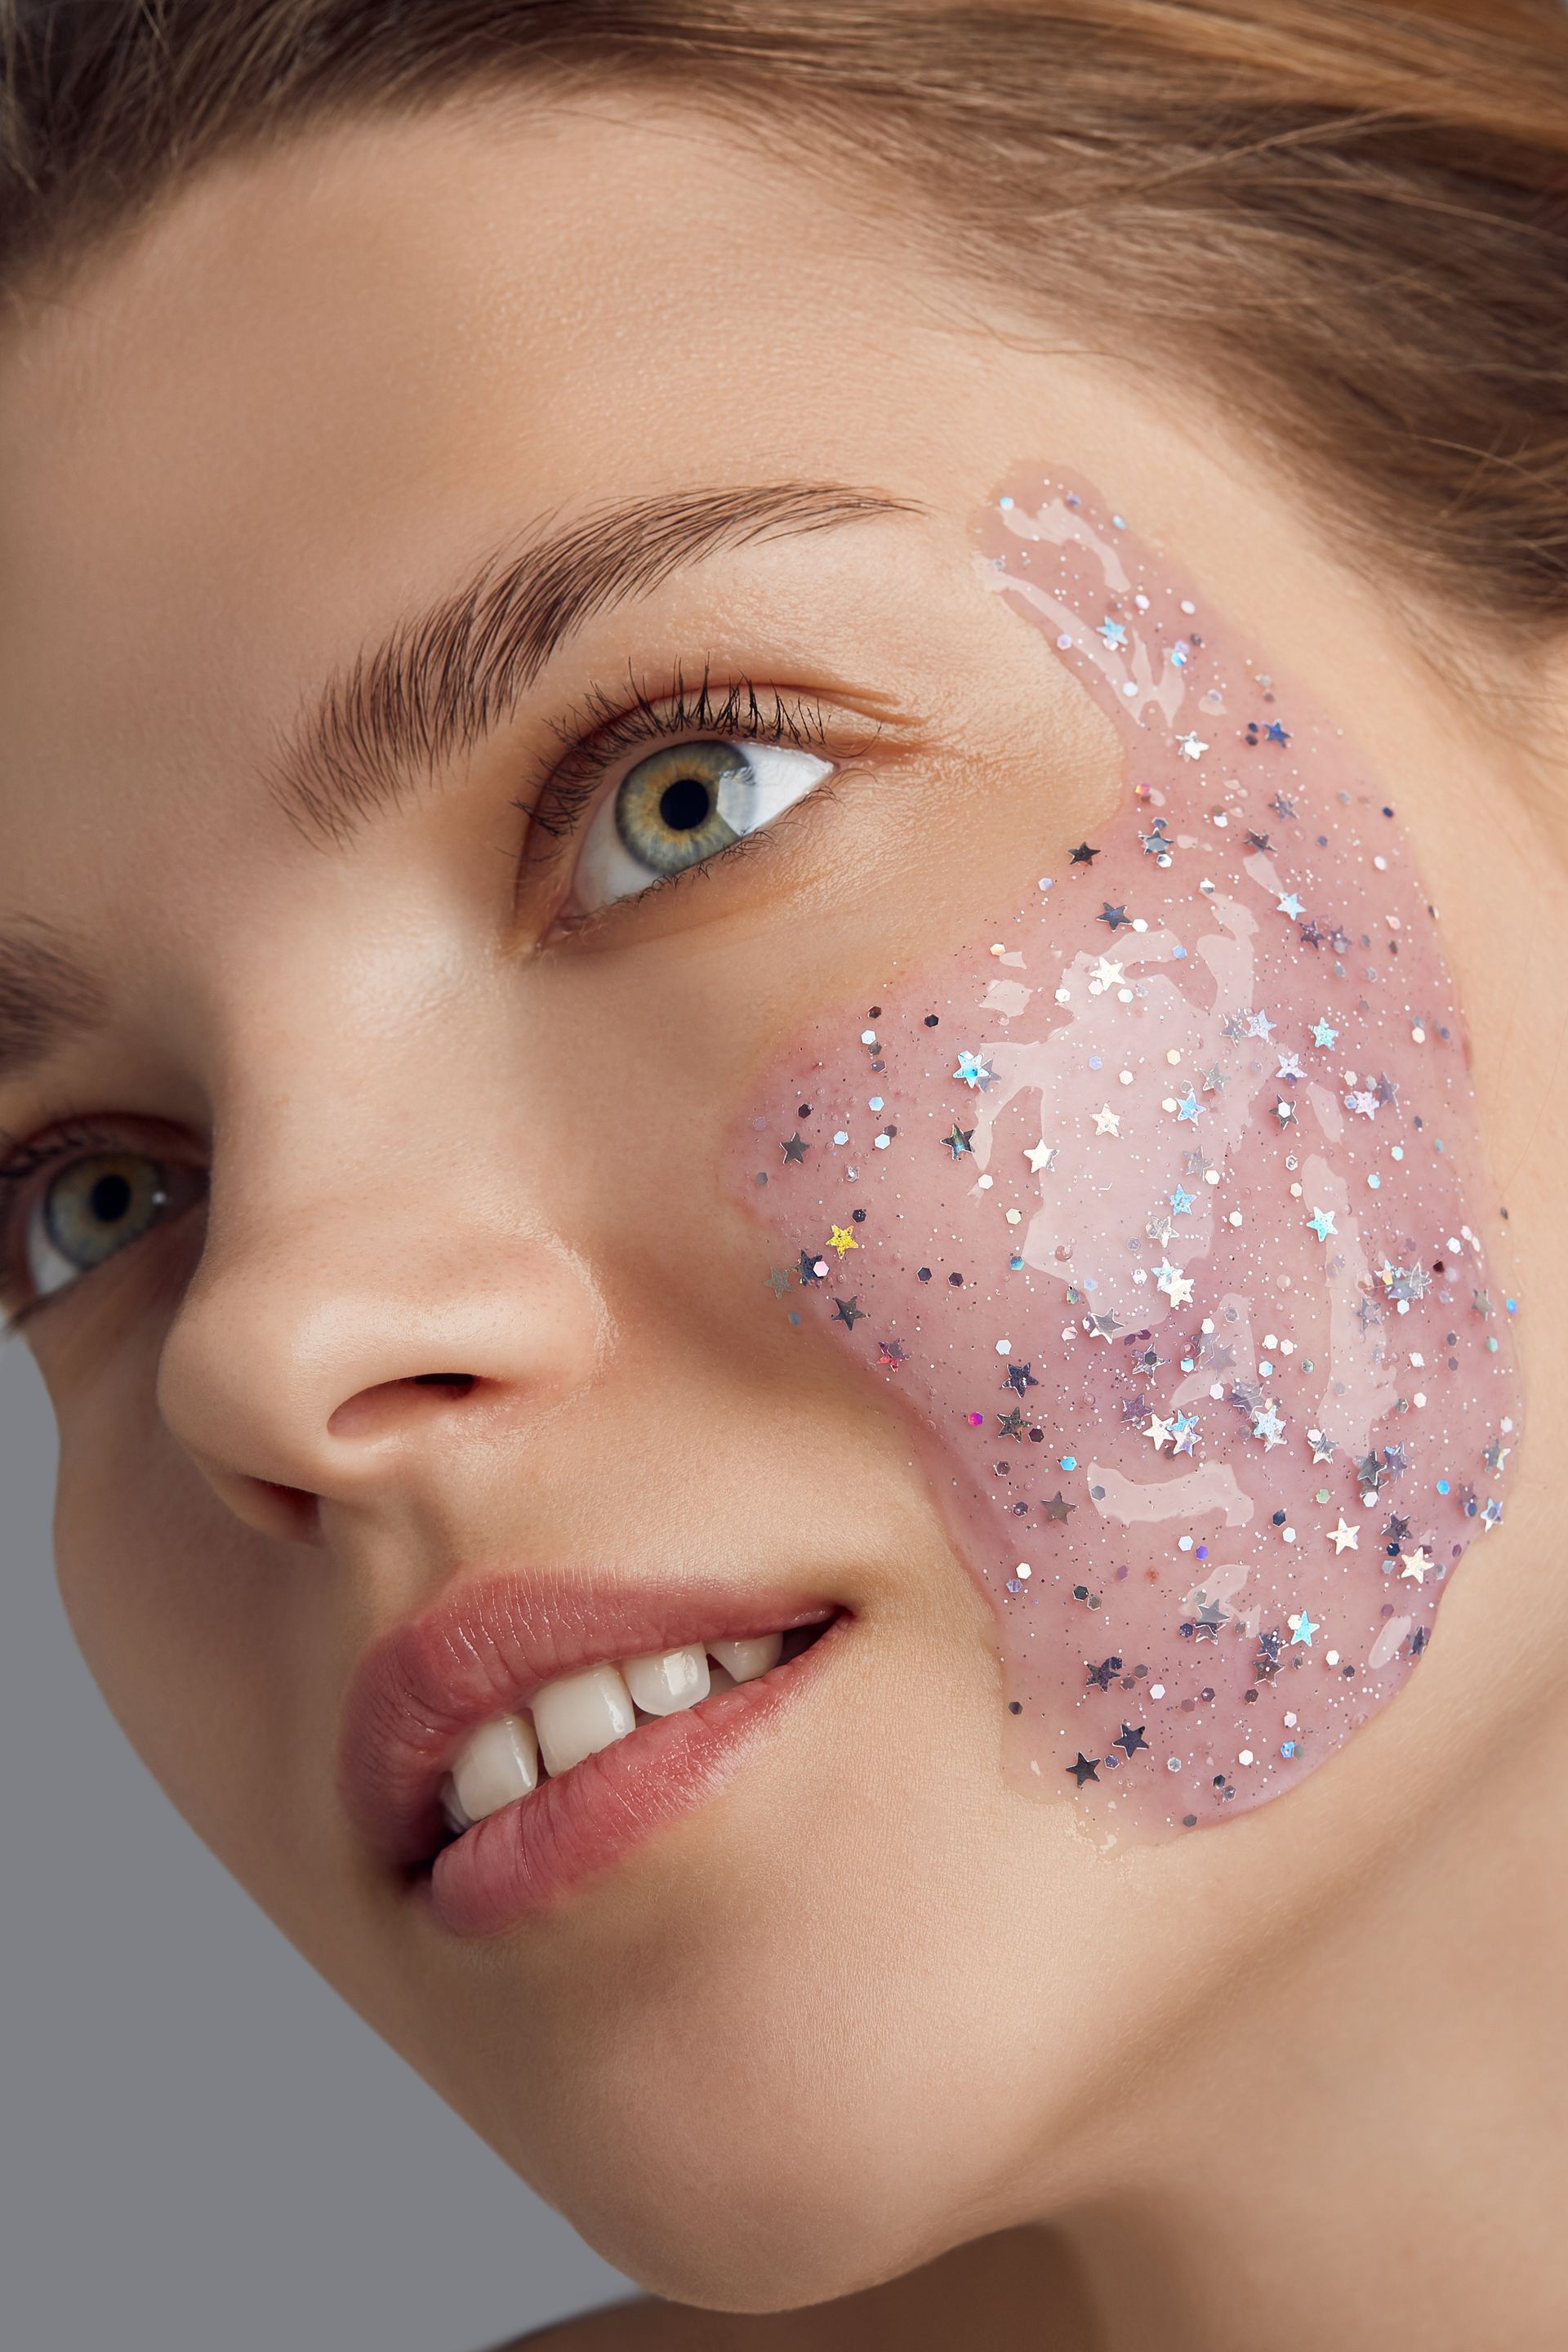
<point x="571" y="926"/>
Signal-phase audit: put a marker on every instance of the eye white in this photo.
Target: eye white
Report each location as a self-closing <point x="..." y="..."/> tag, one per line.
<point x="768" y="779"/>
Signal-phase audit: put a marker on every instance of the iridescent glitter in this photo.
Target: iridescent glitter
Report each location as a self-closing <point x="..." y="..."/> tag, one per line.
<point x="1158" y="1208"/>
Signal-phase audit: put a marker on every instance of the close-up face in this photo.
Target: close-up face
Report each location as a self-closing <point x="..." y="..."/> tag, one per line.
<point x="773" y="1168"/>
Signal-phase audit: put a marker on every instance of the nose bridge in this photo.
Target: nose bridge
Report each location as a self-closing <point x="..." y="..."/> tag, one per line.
<point x="379" y="1257"/>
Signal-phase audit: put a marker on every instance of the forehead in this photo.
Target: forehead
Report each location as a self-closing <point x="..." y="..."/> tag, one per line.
<point x="326" y="375"/>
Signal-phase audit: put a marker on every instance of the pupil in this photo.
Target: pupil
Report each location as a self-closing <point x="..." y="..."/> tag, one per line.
<point x="685" y="804"/>
<point x="111" y="1197"/>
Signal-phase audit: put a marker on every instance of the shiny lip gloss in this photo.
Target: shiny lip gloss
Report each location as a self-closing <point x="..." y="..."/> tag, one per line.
<point x="1160" y="1208"/>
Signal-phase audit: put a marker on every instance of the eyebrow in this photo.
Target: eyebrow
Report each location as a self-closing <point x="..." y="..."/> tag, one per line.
<point x="438" y="683"/>
<point x="445" y="677"/>
<point x="46" y="997"/>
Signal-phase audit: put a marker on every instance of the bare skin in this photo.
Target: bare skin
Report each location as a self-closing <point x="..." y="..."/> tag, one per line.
<point x="869" y="2010"/>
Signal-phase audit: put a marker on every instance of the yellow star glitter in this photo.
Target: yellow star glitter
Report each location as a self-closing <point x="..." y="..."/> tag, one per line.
<point x="841" y="1239"/>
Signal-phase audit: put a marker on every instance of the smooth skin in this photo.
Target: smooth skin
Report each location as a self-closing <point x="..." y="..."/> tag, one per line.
<point x="1299" y="2079"/>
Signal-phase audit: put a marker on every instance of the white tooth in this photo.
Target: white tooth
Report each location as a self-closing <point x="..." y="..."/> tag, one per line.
<point x="667" y="1680"/>
<point x="500" y="1762"/>
<point x="456" y="1819"/>
<point x="747" y="1660"/>
<point x="581" y="1714"/>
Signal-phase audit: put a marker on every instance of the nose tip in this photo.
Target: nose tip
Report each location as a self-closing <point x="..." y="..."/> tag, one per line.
<point x="290" y="1389"/>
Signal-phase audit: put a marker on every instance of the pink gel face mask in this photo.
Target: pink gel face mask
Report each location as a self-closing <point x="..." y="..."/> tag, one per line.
<point x="1158" y="1207"/>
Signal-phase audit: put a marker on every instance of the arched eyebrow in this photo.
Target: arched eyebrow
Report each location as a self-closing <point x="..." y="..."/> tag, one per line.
<point x="445" y="677"/>
<point x="438" y="684"/>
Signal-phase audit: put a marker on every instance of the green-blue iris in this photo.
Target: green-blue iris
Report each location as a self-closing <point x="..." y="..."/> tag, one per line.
<point x="95" y="1206"/>
<point x="668" y="811"/>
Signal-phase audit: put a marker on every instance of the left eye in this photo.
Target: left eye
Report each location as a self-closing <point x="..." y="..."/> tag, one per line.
<point x="681" y="806"/>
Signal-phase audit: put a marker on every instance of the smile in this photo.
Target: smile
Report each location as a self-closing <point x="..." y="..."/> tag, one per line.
<point x="514" y="1741"/>
<point x="579" y="1715"/>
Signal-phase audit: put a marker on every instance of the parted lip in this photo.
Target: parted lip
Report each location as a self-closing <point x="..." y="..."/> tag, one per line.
<point x="484" y="1648"/>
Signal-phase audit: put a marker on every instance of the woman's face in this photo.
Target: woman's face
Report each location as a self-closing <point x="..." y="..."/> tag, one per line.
<point x="419" y="1333"/>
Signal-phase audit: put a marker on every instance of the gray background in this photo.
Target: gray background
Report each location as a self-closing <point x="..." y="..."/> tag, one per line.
<point x="201" y="2148"/>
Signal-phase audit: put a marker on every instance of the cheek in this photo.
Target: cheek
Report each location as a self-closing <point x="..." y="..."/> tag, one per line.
<point x="1159" y="1207"/>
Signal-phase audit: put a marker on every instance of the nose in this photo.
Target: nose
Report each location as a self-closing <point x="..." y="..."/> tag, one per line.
<point x="362" y="1344"/>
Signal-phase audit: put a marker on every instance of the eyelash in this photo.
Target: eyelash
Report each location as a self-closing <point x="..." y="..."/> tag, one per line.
<point x="600" y="731"/>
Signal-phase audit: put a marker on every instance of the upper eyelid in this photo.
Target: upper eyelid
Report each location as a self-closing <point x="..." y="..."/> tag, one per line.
<point x="743" y="712"/>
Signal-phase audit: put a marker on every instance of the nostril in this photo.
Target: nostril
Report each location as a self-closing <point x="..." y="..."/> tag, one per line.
<point x="377" y="1411"/>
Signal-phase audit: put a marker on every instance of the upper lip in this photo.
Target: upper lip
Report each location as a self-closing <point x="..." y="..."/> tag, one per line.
<point x="484" y="1649"/>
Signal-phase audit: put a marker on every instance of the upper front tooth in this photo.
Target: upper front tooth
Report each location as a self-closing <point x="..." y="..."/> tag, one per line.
<point x="500" y="1762"/>
<point x="746" y="1660"/>
<point x="667" y="1680"/>
<point x="581" y="1714"/>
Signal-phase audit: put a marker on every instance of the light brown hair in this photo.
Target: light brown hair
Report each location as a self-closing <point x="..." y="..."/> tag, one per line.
<point x="1346" y="219"/>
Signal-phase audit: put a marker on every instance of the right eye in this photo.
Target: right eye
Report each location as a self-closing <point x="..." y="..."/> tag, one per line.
<point x="93" y="1207"/>
<point x="681" y="806"/>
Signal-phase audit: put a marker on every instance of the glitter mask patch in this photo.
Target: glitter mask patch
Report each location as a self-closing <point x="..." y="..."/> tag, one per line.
<point x="1158" y="1209"/>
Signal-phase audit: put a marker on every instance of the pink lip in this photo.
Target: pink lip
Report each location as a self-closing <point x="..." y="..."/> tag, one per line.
<point x="485" y="1650"/>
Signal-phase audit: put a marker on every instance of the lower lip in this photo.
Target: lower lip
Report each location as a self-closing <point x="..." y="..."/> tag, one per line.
<point x="522" y="1860"/>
